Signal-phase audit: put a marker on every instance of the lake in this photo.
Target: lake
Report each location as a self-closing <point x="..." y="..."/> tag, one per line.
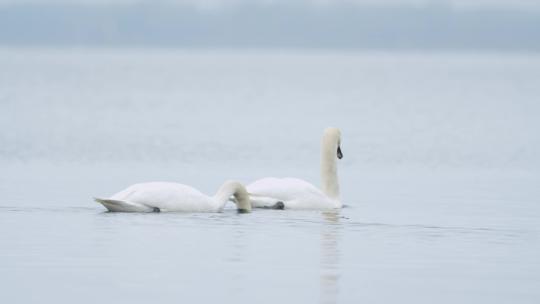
<point x="440" y="175"/>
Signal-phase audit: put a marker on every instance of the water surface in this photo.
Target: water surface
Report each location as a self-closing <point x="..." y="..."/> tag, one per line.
<point x="440" y="176"/>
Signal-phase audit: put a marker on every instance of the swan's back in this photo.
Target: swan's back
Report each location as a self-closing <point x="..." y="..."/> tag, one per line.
<point x="167" y="197"/>
<point x="284" y="188"/>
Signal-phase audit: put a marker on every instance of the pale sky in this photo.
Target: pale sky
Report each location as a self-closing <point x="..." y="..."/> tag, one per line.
<point x="522" y="4"/>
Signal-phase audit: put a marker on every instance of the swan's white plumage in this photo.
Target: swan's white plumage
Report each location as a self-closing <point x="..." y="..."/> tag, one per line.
<point x="293" y="192"/>
<point x="166" y="196"/>
<point x="299" y="194"/>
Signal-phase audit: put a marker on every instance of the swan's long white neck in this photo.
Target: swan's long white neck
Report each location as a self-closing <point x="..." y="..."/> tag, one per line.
<point x="230" y="188"/>
<point x="329" y="174"/>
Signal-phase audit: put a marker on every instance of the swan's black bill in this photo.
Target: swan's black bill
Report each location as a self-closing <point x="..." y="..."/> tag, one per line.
<point x="243" y="211"/>
<point x="339" y="154"/>
<point x="277" y="206"/>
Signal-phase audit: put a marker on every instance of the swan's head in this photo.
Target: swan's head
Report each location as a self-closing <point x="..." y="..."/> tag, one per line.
<point x="332" y="140"/>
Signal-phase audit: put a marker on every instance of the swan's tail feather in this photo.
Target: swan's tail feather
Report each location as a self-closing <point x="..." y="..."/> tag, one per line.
<point x="123" y="206"/>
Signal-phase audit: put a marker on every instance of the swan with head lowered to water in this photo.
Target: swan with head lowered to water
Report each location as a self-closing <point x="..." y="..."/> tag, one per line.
<point x="298" y="194"/>
<point x="174" y="197"/>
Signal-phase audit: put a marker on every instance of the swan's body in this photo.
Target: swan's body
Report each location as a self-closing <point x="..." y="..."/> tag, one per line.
<point x="174" y="197"/>
<point x="299" y="194"/>
<point x="293" y="192"/>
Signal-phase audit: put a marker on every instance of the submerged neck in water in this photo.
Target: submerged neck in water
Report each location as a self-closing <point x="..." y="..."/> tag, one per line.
<point x="236" y="189"/>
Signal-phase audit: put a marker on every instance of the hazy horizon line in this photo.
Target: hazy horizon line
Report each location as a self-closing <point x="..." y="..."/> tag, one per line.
<point x="255" y="26"/>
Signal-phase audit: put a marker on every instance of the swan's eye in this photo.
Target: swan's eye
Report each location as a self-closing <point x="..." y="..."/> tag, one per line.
<point x="339" y="154"/>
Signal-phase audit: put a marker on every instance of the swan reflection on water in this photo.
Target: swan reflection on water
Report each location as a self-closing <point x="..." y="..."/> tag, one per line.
<point x="330" y="257"/>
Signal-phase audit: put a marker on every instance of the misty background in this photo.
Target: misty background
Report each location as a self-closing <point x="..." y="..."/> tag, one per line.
<point x="362" y="24"/>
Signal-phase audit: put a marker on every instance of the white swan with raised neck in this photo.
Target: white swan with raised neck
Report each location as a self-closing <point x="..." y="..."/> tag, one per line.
<point x="295" y="193"/>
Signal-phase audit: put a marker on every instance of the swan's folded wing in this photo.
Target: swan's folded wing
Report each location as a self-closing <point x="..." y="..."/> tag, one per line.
<point x="283" y="189"/>
<point x="166" y="197"/>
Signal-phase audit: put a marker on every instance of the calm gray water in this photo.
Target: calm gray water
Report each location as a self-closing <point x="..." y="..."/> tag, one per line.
<point x="440" y="176"/>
